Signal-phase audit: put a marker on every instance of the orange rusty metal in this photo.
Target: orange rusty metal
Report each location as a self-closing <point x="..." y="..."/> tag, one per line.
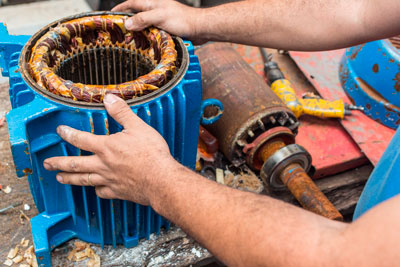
<point x="301" y="186"/>
<point x="395" y="41"/>
<point x="308" y="193"/>
<point x="270" y="148"/>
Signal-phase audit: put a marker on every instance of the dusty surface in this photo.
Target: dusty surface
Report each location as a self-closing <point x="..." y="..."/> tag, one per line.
<point x="174" y="248"/>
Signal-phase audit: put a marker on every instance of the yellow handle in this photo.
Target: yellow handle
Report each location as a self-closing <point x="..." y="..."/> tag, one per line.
<point x="323" y="108"/>
<point x="284" y="90"/>
<point x="315" y="107"/>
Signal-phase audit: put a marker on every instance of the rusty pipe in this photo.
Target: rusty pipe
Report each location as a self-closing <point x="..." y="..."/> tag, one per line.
<point x="301" y="185"/>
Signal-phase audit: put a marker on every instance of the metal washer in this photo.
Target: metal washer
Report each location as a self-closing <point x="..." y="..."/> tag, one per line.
<point x="275" y="164"/>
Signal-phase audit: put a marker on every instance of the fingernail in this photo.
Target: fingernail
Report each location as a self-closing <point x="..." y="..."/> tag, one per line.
<point x="60" y="129"/>
<point x="110" y="99"/>
<point x="59" y="178"/>
<point x="47" y="166"/>
<point x="128" y="24"/>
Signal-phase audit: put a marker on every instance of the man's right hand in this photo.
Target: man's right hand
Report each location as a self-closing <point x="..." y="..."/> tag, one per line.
<point x="169" y="15"/>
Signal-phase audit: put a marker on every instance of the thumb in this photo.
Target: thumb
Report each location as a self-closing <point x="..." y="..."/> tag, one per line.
<point x="141" y="21"/>
<point x="120" y="111"/>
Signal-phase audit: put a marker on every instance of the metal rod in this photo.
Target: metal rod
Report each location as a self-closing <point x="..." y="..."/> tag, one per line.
<point x="114" y="67"/>
<point x="102" y="66"/>
<point x="79" y="66"/>
<point x="84" y="66"/>
<point x="13" y="205"/>
<point x="90" y="63"/>
<point x="96" y="69"/>
<point x="265" y="55"/>
<point x="136" y="62"/>
<point x="301" y="185"/>
<point x="108" y="80"/>
<point x="307" y="192"/>
<point x="120" y="65"/>
<point x="131" y="66"/>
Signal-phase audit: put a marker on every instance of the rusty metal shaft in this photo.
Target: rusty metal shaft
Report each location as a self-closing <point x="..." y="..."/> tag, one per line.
<point x="302" y="186"/>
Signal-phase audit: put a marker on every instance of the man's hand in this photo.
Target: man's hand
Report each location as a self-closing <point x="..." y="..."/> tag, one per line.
<point x="169" y="15"/>
<point x="123" y="165"/>
<point x="283" y="24"/>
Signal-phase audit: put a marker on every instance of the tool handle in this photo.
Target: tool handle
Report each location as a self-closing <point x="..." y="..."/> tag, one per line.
<point x="307" y="192"/>
<point x="323" y="108"/>
<point x="284" y="90"/>
<point x="311" y="106"/>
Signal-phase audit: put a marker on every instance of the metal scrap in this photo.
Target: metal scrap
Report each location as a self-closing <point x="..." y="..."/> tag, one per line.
<point x="13" y="205"/>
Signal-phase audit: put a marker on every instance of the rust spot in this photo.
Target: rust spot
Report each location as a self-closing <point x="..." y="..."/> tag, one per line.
<point x="16" y="71"/>
<point x="45" y="109"/>
<point x="26" y="151"/>
<point x="371" y="92"/>
<point x="391" y="60"/>
<point x="106" y="124"/>
<point x="395" y="41"/>
<point x="375" y="68"/>
<point x="356" y="51"/>
<point x="27" y="171"/>
<point x="307" y="193"/>
<point x="397" y="84"/>
<point x="387" y="115"/>
<point x="91" y="125"/>
<point x="378" y="120"/>
<point x="397" y="122"/>
<point x="368" y="106"/>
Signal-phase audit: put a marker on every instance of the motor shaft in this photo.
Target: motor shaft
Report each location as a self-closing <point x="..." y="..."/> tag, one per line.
<point x="301" y="185"/>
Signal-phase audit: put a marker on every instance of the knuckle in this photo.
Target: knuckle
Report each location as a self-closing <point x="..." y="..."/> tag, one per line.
<point x="101" y="192"/>
<point x="74" y="165"/>
<point x="140" y="19"/>
<point x="82" y="179"/>
<point x="122" y="113"/>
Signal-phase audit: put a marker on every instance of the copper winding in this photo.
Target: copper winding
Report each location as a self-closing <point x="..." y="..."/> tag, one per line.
<point x="77" y="35"/>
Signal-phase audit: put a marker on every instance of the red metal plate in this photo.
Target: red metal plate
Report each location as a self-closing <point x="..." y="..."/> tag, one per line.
<point x="331" y="147"/>
<point x="321" y="69"/>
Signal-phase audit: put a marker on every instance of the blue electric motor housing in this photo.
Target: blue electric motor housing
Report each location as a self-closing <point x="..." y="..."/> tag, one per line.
<point x="67" y="211"/>
<point x="370" y="75"/>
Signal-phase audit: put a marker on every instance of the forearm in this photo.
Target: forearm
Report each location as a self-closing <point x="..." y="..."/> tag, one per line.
<point x="243" y="228"/>
<point x="300" y="25"/>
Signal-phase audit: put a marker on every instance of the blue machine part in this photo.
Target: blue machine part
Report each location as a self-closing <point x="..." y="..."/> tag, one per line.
<point x="211" y="103"/>
<point x="370" y="75"/>
<point x="384" y="181"/>
<point x="67" y="211"/>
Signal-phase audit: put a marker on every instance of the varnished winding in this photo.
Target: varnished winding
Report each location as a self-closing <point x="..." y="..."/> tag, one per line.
<point x="74" y="36"/>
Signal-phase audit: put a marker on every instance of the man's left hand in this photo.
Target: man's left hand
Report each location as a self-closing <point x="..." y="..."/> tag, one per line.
<point x="123" y="165"/>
